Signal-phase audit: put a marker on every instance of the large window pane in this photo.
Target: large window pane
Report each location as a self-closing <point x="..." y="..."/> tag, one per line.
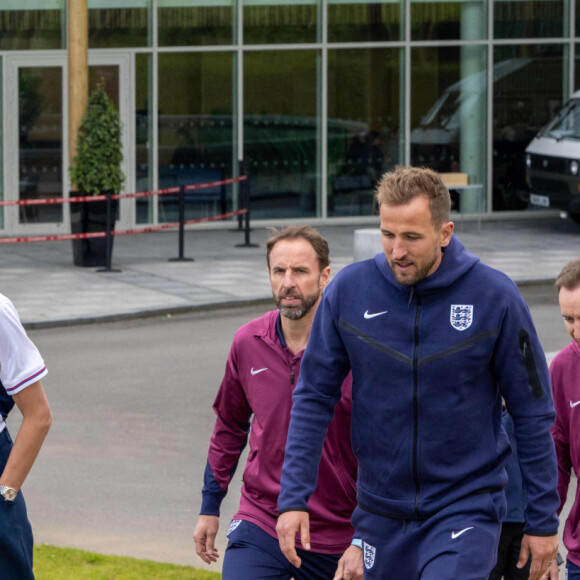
<point x="195" y="130"/>
<point x="364" y="123"/>
<point x="280" y="21"/>
<point x="40" y="142"/>
<point x="195" y="22"/>
<point x="114" y="24"/>
<point x="31" y="25"/>
<point x="280" y="129"/>
<point x="144" y="136"/>
<point x="529" y="19"/>
<point x="456" y="20"/>
<point x="528" y="88"/>
<point x="448" y="116"/>
<point x="363" y="21"/>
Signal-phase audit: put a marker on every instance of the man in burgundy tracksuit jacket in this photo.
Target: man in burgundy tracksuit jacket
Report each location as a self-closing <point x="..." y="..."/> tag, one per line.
<point x="565" y="376"/>
<point x="255" y="398"/>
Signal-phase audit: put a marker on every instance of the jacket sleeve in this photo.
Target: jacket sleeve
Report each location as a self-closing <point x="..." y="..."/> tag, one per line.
<point x="561" y="434"/>
<point x="522" y="372"/>
<point x="229" y="436"/>
<point x="323" y="370"/>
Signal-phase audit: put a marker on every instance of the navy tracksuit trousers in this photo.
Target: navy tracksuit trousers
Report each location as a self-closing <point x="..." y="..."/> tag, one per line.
<point x="459" y="542"/>
<point x="252" y="554"/>
<point x="15" y="531"/>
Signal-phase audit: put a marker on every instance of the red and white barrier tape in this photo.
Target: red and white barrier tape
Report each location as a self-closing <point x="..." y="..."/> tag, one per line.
<point x="168" y="190"/>
<point x="149" y="229"/>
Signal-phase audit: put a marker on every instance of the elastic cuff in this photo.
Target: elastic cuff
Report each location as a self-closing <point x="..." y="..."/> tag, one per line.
<point x="210" y="505"/>
<point x="541" y="534"/>
<point x="292" y="509"/>
<point x="356" y="542"/>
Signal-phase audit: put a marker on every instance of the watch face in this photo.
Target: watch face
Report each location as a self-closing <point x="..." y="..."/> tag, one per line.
<point x="9" y="494"/>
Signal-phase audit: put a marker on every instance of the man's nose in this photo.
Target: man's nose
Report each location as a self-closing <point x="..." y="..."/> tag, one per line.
<point x="288" y="280"/>
<point x="399" y="249"/>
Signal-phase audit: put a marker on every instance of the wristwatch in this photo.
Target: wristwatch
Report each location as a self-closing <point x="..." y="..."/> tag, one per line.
<point x="8" y="493"/>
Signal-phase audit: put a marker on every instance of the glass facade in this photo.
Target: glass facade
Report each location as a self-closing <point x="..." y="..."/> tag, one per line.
<point x="527" y="92"/>
<point x="356" y="21"/>
<point x="448" y="114"/>
<point x="280" y="132"/>
<point x="195" y="130"/>
<point x="204" y="23"/>
<point x="280" y="22"/>
<point x="364" y="125"/>
<point x="36" y="25"/>
<point x="314" y="99"/>
<point x="118" y="24"/>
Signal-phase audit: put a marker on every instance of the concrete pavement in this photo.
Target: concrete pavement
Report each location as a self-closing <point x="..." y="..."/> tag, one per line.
<point x="49" y="291"/>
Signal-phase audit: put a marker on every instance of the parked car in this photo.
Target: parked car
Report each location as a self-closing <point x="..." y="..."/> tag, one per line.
<point x="553" y="162"/>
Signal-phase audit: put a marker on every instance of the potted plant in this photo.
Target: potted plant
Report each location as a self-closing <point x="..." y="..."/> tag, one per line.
<point x="96" y="170"/>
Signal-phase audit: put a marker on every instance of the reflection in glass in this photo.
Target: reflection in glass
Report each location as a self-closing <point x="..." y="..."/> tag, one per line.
<point x="34" y="26"/>
<point x="280" y="130"/>
<point x="364" y="21"/>
<point x="461" y="20"/>
<point x="112" y="27"/>
<point x="40" y="141"/>
<point x="280" y="22"/>
<point x="527" y="91"/>
<point x="448" y="116"/>
<point x="536" y="18"/>
<point x="363" y="125"/>
<point x="195" y="22"/>
<point x="144" y="137"/>
<point x="196" y="129"/>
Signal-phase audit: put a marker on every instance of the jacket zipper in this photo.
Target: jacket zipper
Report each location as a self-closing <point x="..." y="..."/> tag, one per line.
<point x="416" y="407"/>
<point x="292" y="377"/>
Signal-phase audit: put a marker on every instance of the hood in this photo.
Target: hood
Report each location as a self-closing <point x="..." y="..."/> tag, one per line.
<point x="455" y="263"/>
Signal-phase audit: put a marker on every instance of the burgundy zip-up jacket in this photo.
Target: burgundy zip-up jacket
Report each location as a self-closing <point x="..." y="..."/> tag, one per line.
<point x="565" y="375"/>
<point x="255" y="399"/>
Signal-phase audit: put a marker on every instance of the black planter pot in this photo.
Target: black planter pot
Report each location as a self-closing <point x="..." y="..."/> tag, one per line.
<point x="88" y="217"/>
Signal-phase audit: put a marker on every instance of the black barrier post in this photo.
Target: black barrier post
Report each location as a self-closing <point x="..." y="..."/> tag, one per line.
<point x="181" y="258"/>
<point x="108" y="233"/>
<point x="241" y="171"/>
<point x="245" y="203"/>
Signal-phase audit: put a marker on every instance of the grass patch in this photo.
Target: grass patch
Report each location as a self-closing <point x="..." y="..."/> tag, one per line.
<point x="53" y="563"/>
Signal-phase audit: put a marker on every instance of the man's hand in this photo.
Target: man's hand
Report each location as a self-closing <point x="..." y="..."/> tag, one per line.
<point x="350" y="566"/>
<point x="289" y="524"/>
<point x="543" y="551"/>
<point x="552" y="573"/>
<point x="204" y="538"/>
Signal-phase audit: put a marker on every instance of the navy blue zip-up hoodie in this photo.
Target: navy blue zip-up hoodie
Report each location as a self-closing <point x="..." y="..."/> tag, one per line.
<point x="430" y="364"/>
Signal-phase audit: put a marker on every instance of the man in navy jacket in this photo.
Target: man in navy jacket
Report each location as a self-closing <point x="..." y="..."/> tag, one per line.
<point x="434" y="339"/>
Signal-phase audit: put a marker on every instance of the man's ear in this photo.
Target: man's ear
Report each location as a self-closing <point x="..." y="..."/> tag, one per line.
<point x="324" y="277"/>
<point x="446" y="232"/>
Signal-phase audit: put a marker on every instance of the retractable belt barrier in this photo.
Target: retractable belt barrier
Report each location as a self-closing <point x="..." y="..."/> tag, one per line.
<point x="145" y="230"/>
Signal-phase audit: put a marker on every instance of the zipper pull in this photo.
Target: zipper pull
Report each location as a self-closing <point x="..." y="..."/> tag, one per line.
<point x="292" y="378"/>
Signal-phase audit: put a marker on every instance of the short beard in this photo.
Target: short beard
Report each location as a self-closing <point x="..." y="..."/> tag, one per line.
<point x="299" y="311"/>
<point x="419" y="275"/>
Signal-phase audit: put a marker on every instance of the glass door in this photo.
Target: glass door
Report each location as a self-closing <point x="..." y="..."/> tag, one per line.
<point x="36" y="148"/>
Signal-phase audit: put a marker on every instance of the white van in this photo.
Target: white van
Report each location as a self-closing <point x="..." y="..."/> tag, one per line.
<point x="553" y="162"/>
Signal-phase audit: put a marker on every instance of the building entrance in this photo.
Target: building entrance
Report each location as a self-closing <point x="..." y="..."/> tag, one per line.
<point x="35" y="139"/>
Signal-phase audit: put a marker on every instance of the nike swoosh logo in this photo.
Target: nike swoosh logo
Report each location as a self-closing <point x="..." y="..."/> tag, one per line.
<point x="257" y="371"/>
<point x="455" y="535"/>
<point x="367" y="315"/>
<point x="574" y="404"/>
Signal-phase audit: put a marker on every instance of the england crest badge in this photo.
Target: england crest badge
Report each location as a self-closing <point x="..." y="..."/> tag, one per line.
<point x="369" y="555"/>
<point x="461" y="316"/>
<point x="233" y="526"/>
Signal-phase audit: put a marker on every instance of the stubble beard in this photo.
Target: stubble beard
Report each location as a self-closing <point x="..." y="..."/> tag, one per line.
<point x="419" y="275"/>
<point x="300" y="310"/>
